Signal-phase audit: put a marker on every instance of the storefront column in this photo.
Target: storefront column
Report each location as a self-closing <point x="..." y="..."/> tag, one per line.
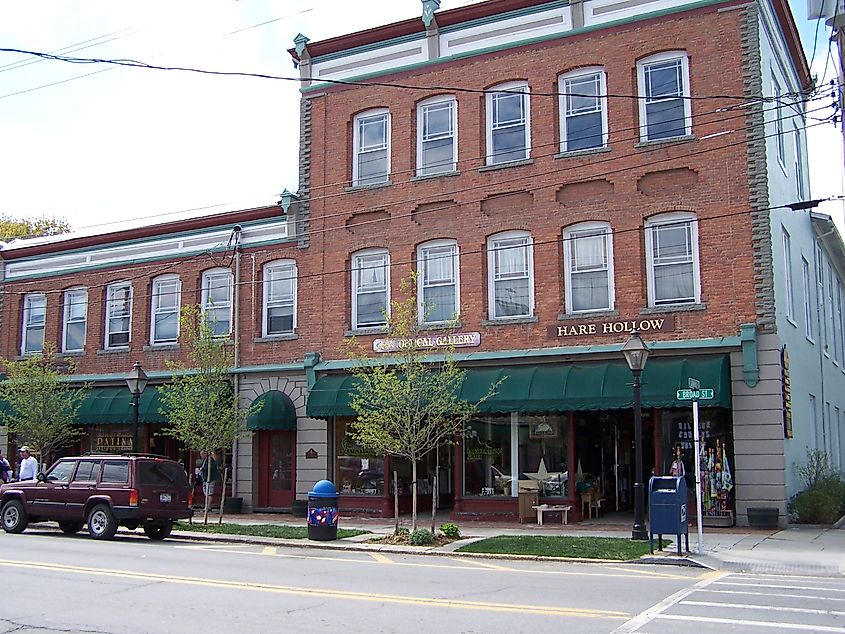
<point x="387" y="507"/>
<point x="458" y="476"/>
<point x="655" y="416"/>
<point x="570" y="461"/>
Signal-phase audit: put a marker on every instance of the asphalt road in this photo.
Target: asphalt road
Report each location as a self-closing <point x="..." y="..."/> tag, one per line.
<point x="75" y="584"/>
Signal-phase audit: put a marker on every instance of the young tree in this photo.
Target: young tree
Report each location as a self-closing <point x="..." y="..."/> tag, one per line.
<point x="11" y="228"/>
<point x="408" y="405"/>
<point x="199" y="403"/>
<point x="41" y="406"/>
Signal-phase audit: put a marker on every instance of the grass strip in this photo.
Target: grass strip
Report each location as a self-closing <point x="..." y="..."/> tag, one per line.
<point x="614" y="548"/>
<point x="260" y="530"/>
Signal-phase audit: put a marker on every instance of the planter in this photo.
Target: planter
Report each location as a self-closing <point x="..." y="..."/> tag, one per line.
<point x="763" y="517"/>
<point x="233" y="505"/>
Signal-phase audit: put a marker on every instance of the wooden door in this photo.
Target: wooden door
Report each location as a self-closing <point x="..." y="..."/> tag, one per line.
<point x="277" y="468"/>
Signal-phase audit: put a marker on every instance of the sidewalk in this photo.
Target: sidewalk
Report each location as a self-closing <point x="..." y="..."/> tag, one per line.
<point x="816" y="551"/>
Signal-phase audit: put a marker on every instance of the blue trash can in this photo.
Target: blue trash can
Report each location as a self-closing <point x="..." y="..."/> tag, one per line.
<point x="322" y="511"/>
<point x="667" y="509"/>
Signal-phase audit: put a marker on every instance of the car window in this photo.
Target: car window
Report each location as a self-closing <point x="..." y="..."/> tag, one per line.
<point x="161" y="473"/>
<point x="87" y="471"/>
<point x="61" y="472"/>
<point x="114" y="471"/>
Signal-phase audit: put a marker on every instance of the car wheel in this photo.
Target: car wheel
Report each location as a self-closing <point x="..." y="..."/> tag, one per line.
<point x="15" y="519"/>
<point x="70" y="527"/>
<point x="158" y="531"/>
<point x="102" y="524"/>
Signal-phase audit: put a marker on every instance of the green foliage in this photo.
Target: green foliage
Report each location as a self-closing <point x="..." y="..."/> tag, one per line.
<point x="11" y="228"/>
<point x="613" y="548"/>
<point x="262" y="530"/>
<point x="42" y="406"/>
<point x="421" y="537"/>
<point x="402" y="532"/>
<point x="823" y="501"/>
<point x="451" y="531"/>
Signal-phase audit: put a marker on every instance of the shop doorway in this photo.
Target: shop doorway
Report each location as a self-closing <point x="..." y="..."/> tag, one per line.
<point x="276" y="468"/>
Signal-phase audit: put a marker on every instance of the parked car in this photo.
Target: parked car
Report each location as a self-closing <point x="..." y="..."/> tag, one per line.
<point x="104" y="492"/>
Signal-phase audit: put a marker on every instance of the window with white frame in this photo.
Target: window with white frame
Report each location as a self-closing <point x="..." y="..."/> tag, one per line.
<point x="841" y="311"/>
<point x="370" y="288"/>
<point x="588" y="267"/>
<point x="777" y="94"/>
<point x="437" y="136"/>
<point x="672" y="259"/>
<point x="279" y="298"/>
<point x="838" y="341"/>
<point x="74" y="319"/>
<point x="164" y="317"/>
<point x="583" y="111"/>
<point x="824" y="335"/>
<point x="508" y="123"/>
<point x="438" y="292"/>
<point x="787" y="275"/>
<point x="510" y="283"/>
<point x="217" y="301"/>
<point x="34" y="312"/>
<point x="808" y="306"/>
<point x="799" y="164"/>
<point x="664" y="91"/>
<point x="371" y="148"/>
<point x="831" y="325"/>
<point x="118" y="314"/>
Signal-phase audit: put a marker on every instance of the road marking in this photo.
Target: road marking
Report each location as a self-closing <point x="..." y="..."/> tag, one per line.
<point x="780" y="626"/>
<point x="752" y="606"/>
<point x="772" y="594"/>
<point x="269" y="550"/>
<point x="210" y="546"/>
<point x="481" y="564"/>
<point x="655" y="611"/>
<point x="777" y="586"/>
<point x="382" y="559"/>
<point x="321" y="593"/>
<point x="649" y="573"/>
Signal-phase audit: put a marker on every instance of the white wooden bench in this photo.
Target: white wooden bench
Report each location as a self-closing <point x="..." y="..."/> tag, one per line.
<point x="553" y="508"/>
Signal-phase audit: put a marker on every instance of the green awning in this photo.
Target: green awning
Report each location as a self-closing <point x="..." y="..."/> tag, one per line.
<point x="278" y="412"/>
<point x="560" y="387"/>
<point x="113" y="406"/>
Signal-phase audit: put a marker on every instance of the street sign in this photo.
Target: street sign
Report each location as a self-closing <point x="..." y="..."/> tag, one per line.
<point x="704" y="394"/>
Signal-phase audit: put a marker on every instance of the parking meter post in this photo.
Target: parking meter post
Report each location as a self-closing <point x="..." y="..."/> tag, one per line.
<point x="697" y="462"/>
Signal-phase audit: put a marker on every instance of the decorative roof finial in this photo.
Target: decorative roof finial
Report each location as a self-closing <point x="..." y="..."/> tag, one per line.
<point x="286" y="200"/>
<point x="300" y="40"/>
<point x="429" y="7"/>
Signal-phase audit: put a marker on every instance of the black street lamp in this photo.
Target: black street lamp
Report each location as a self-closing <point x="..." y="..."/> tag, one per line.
<point x="137" y="381"/>
<point x="636" y="353"/>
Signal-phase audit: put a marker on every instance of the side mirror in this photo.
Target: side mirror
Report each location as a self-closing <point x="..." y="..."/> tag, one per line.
<point x="41" y="477"/>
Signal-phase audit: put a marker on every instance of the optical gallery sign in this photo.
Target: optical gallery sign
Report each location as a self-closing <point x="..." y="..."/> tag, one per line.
<point x="655" y="324"/>
<point x="452" y="340"/>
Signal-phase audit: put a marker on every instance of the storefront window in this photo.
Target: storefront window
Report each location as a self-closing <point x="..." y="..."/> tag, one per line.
<point x="543" y="453"/>
<point x="487" y="457"/>
<point x="359" y="470"/>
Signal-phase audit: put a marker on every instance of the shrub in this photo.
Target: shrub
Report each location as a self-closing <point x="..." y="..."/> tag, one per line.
<point x="818" y="505"/>
<point x="817" y="470"/>
<point x="451" y="531"/>
<point x="421" y="537"/>
<point x="402" y="532"/>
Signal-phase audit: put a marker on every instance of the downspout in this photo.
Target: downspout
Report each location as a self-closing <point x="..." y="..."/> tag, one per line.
<point x="236" y="334"/>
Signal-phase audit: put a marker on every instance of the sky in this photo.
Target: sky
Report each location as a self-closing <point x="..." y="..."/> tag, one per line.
<point x="107" y="147"/>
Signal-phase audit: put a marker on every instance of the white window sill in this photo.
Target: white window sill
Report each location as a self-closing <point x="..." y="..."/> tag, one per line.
<point x="502" y="166"/>
<point x="792" y="321"/>
<point x="369" y="330"/>
<point x="160" y="346"/>
<point x="509" y="321"/>
<point x="115" y="350"/>
<point x="369" y="186"/>
<point x="73" y="353"/>
<point x="686" y="138"/>
<point x="588" y="314"/>
<point x="288" y="336"/>
<point x="441" y="325"/>
<point x="428" y="177"/>
<point x="672" y="308"/>
<point x="585" y="152"/>
<point x="811" y="340"/>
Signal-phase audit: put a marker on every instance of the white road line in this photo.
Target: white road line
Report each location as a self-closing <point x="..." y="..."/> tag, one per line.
<point x="780" y="626"/>
<point x="772" y="594"/>
<point x="654" y="611"/>
<point x="772" y="585"/>
<point x="806" y="577"/>
<point x="753" y="606"/>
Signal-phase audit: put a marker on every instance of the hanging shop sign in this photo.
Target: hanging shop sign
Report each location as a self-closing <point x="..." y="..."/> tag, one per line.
<point x="113" y="443"/>
<point x="452" y="340"/>
<point x="654" y="324"/>
<point x="787" y="393"/>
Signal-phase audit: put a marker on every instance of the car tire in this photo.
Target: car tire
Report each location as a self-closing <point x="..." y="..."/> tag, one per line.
<point x="102" y="524"/>
<point x="15" y="519"/>
<point x="71" y="527"/>
<point x="157" y="532"/>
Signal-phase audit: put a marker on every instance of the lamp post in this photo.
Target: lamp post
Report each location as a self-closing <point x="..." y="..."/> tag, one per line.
<point x="636" y="353"/>
<point x="137" y="381"/>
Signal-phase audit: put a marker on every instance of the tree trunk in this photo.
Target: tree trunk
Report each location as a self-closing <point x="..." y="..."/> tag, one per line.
<point x="206" y="488"/>
<point x="413" y="495"/>
<point x="435" y="493"/>
<point x="396" y="503"/>
<point x="223" y="491"/>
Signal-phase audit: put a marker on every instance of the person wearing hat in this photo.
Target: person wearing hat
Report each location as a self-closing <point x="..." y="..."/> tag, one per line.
<point x="28" y="468"/>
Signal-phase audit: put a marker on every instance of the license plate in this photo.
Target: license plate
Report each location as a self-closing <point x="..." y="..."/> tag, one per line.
<point x="164" y="497"/>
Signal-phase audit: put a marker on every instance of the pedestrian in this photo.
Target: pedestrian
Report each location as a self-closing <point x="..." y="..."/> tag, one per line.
<point x="5" y="468"/>
<point x="209" y="473"/>
<point x="28" y="467"/>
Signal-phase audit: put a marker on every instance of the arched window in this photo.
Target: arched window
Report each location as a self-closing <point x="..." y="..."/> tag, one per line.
<point x="74" y="319"/>
<point x="370" y="288"/>
<point x="371" y="147"/>
<point x="164" y="311"/>
<point x="438" y="282"/>
<point x="664" y="90"/>
<point x="217" y="301"/>
<point x="672" y="259"/>
<point x="118" y="315"/>
<point x="34" y="311"/>
<point x="279" y="298"/>
<point x="437" y="135"/>
<point x="510" y="275"/>
<point x="508" y="123"/>
<point x="588" y="267"/>
<point x="583" y="109"/>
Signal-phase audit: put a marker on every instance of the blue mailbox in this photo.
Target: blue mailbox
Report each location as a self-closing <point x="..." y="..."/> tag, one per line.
<point x="322" y="511"/>
<point x="667" y="504"/>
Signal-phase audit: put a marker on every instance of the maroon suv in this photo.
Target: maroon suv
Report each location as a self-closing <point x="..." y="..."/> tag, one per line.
<point x="102" y="491"/>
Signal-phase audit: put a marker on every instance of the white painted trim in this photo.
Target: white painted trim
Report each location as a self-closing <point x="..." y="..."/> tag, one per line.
<point x="567" y="250"/>
<point x="668" y="219"/>
<point x="577" y="74"/>
<point x="355" y="271"/>
<point x="421" y="106"/>
<point x="206" y="275"/>
<point x="170" y="277"/>
<point x="685" y="94"/>
<point x="421" y="309"/>
<point x="66" y="304"/>
<point x="110" y="289"/>
<point x="491" y="267"/>
<point x="356" y="142"/>
<point x="488" y="126"/>
<point x="28" y="300"/>
<point x="265" y="307"/>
